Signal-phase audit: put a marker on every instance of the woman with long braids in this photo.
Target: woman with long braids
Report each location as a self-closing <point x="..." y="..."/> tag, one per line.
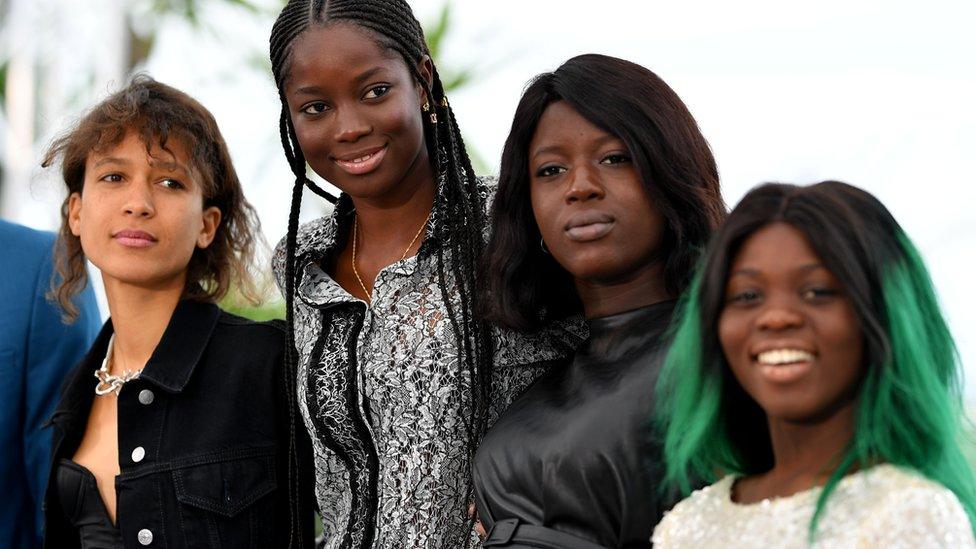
<point x="608" y="193"/>
<point x="393" y="371"/>
<point x="814" y="377"/>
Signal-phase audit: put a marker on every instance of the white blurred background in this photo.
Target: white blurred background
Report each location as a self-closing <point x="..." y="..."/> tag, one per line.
<point x="876" y="93"/>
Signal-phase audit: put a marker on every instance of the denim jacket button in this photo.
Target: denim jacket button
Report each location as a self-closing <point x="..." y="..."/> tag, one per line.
<point x="137" y="456"/>
<point x="146" y="397"/>
<point x="145" y="536"/>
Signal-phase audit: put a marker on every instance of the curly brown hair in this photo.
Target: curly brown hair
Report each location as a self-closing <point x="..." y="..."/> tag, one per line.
<point x="157" y="113"/>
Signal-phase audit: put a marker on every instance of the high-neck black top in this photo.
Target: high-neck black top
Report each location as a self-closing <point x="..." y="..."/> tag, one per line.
<point x="576" y="453"/>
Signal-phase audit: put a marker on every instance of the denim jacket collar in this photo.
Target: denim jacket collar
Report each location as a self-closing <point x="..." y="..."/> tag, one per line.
<point x="169" y="367"/>
<point x="182" y="345"/>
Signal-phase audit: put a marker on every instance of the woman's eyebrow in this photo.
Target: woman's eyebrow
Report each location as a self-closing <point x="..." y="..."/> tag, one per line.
<point x="546" y="150"/>
<point x="169" y="166"/>
<point x="365" y="75"/>
<point x="111" y="160"/>
<point x="359" y="79"/>
<point x="811" y="267"/>
<point x="745" y="271"/>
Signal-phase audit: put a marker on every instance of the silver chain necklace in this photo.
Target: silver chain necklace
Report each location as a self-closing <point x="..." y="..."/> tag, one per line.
<point x="107" y="383"/>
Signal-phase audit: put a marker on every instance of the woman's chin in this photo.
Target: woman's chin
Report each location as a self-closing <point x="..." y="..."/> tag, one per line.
<point x="144" y="279"/>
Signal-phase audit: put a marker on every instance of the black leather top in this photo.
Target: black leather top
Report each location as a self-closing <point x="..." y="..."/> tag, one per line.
<point x="83" y="505"/>
<point x="576" y="453"/>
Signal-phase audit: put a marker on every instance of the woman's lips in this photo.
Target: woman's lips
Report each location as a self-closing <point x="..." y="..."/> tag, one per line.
<point x="785" y="373"/>
<point x="131" y="238"/>
<point x="589" y="226"/>
<point x="361" y="163"/>
<point x="784" y="365"/>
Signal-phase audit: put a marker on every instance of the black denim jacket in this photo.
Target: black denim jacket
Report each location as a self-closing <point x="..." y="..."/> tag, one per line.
<point x="203" y="438"/>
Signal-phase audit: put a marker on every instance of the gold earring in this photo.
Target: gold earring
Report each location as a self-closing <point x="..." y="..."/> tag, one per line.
<point x="426" y="106"/>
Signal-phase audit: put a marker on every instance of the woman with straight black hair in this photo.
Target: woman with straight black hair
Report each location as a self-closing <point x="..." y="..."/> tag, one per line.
<point x="608" y="191"/>
<point x="814" y="380"/>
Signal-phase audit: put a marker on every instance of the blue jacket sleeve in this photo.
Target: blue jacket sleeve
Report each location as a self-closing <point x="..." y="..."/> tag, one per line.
<point x="53" y="349"/>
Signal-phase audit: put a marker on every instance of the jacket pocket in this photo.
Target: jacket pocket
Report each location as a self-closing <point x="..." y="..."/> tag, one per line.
<point x="227" y="503"/>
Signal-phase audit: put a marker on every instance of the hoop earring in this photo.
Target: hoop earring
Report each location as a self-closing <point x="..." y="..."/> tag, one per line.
<point x="542" y="244"/>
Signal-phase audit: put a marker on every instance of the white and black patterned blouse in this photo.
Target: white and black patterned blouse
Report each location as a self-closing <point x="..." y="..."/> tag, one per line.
<point x="381" y="393"/>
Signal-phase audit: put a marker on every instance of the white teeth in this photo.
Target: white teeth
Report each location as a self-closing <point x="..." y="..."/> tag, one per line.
<point x="784" y="356"/>
<point x="360" y="159"/>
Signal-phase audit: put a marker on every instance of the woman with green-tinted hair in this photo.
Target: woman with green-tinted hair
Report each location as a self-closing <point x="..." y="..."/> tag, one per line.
<point x="813" y="379"/>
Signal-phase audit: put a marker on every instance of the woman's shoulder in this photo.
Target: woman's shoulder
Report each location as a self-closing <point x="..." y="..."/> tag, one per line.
<point x="902" y="505"/>
<point x="315" y="235"/>
<point x="890" y="484"/>
<point x="274" y="325"/>
<point x="487" y="186"/>
<point x="700" y="506"/>
<point x="554" y="341"/>
<point x="247" y="335"/>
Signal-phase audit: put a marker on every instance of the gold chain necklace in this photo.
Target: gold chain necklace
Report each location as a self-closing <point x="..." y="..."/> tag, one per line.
<point x="355" y="239"/>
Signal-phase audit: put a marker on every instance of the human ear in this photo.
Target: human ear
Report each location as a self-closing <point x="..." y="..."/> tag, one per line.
<point x="74" y="213"/>
<point x="211" y="220"/>
<point x="426" y="69"/>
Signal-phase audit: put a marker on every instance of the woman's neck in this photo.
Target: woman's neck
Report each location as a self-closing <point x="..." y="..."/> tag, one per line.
<point x="804" y="455"/>
<point x="387" y="224"/>
<point x="393" y="220"/>
<point x="139" y="319"/>
<point x="631" y="291"/>
<point x="404" y="205"/>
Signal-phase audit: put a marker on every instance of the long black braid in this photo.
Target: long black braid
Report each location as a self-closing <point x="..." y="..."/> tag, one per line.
<point x="458" y="205"/>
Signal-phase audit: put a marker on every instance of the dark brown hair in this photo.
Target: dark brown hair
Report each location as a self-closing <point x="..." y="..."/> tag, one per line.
<point x="157" y="113"/>
<point x="526" y="287"/>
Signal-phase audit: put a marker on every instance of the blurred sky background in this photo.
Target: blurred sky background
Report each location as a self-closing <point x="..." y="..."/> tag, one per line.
<point x="879" y="94"/>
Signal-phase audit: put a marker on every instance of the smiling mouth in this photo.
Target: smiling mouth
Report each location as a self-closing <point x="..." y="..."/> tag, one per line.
<point x="784" y="365"/>
<point x="777" y="357"/>
<point x="361" y="163"/>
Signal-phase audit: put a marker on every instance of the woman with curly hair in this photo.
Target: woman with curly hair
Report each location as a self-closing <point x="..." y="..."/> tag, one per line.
<point x="174" y="430"/>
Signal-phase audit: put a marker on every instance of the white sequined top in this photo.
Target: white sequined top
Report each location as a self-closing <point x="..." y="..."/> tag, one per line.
<point x="884" y="506"/>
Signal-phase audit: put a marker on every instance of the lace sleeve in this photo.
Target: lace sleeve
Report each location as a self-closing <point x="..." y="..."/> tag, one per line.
<point x="556" y="341"/>
<point x="921" y="516"/>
